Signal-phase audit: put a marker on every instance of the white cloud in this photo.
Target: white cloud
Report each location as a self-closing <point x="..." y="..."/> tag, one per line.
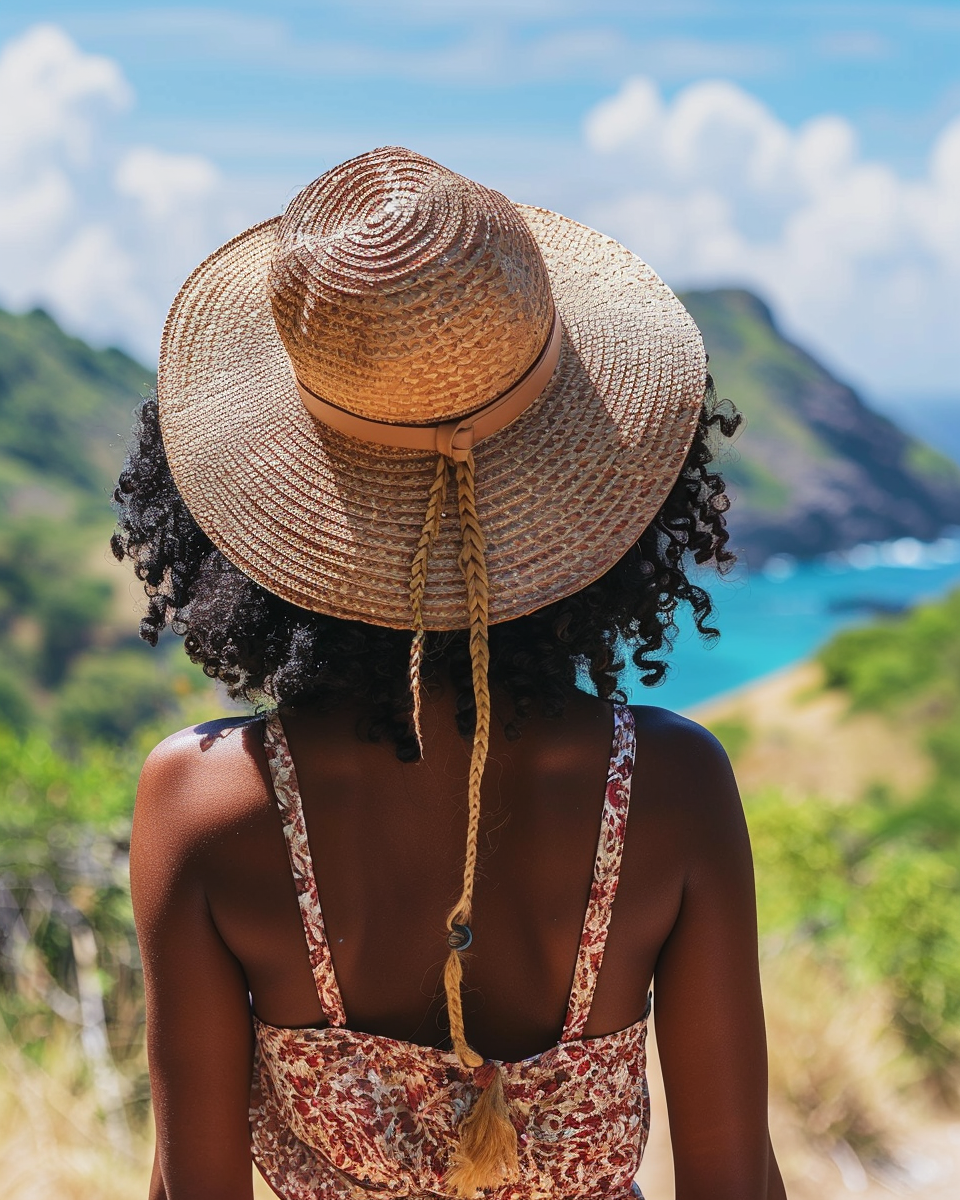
<point x="92" y="279"/>
<point x="163" y="184"/>
<point x="98" y="233"/>
<point x="712" y="188"/>
<point x="52" y="97"/>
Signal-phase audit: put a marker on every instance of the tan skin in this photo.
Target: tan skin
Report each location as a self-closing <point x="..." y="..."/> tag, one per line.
<point x="217" y="917"/>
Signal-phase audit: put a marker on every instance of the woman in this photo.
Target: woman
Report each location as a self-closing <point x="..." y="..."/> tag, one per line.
<point x="420" y="457"/>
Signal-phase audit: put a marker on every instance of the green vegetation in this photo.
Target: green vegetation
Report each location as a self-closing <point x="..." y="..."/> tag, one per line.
<point x="908" y="663"/>
<point x="748" y="477"/>
<point x="757" y="368"/>
<point x="924" y="460"/>
<point x="734" y="734"/>
<point x="81" y="700"/>
<point x="69" y="953"/>
<point x="876" y="889"/>
<point x="68" y="665"/>
<point x="50" y="604"/>
<point x="874" y="886"/>
<point x="64" y="411"/>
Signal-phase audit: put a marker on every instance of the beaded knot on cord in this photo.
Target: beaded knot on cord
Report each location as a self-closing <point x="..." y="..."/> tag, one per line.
<point x="459" y="937"/>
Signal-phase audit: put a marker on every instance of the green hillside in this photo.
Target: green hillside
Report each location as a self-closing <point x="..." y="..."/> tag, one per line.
<point x="65" y="658"/>
<point x="64" y="411"/>
<point x="815" y="469"/>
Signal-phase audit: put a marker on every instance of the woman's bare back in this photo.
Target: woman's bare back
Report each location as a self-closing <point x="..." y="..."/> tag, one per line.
<point x="210" y="868"/>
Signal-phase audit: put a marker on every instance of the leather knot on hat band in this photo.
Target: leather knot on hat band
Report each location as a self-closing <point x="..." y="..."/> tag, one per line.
<point x="454" y="439"/>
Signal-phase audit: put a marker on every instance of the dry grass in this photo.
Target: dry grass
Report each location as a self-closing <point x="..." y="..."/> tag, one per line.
<point x="53" y="1143"/>
<point x="848" y="1113"/>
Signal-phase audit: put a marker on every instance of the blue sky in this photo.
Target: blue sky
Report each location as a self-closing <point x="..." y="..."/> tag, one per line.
<point x="811" y="151"/>
<point x="329" y="74"/>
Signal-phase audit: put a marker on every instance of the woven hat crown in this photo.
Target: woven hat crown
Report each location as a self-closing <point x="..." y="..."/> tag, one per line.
<point x="404" y="292"/>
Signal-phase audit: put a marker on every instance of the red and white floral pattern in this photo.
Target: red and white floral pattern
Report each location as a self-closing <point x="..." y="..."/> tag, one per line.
<point x="285" y="785"/>
<point x="606" y="874"/>
<point x="336" y="1113"/>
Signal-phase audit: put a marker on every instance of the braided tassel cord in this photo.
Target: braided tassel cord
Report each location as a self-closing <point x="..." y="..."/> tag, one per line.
<point x="418" y="586"/>
<point x="487" y="1154"/>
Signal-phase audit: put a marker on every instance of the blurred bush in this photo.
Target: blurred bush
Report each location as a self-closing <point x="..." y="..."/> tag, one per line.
<point x="898" y="660"/>
<point x="111" y="697"/>
<point x="68" y="953"/>
<point x="874" y="887"/>
<point x="50" y="603"/>
<point x="864" y="886"/>
<point x="16" y="706"/>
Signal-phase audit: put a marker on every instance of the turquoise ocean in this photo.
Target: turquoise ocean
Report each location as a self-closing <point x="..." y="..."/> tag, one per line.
<point x="776" y="616"/>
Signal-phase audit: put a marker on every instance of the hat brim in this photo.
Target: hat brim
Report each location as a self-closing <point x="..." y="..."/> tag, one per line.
<point x="331" y="523"/>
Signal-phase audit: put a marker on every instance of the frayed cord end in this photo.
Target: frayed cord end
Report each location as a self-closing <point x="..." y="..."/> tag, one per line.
<point x="487" y="1154"/>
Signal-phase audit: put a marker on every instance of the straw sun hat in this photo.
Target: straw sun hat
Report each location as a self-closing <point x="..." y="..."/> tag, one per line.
<point x="325" y="374"/>
<point x="397" y="291"/>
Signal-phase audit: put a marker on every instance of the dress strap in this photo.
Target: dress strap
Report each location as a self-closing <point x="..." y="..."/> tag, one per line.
<point x="289" y="802"/>
<point x="606" y="873"/>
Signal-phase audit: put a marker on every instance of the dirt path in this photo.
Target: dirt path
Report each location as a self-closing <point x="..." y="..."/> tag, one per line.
<point x="801" y="737"/>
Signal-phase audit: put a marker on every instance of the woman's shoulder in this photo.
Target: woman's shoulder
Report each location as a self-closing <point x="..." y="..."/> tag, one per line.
<point x="685" y="774"/>
<point x="676" y="736"/>
<point x="203" y="779"/>
<point x="208" y="748"/>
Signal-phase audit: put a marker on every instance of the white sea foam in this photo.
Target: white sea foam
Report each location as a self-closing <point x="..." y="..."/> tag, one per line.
<point x="906" y="552"/>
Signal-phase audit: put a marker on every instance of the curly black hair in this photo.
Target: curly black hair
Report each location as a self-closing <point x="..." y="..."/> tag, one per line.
<point x="263" y="648"/>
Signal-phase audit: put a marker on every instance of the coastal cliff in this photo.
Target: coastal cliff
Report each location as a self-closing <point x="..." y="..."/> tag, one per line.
<point x="816" y="469"/>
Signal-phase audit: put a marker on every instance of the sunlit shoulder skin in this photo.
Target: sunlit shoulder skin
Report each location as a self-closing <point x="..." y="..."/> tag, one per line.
<point x="219" y="924"/>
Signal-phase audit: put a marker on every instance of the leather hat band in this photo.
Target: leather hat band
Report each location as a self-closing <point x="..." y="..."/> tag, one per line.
<point x="455" y="438"/>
